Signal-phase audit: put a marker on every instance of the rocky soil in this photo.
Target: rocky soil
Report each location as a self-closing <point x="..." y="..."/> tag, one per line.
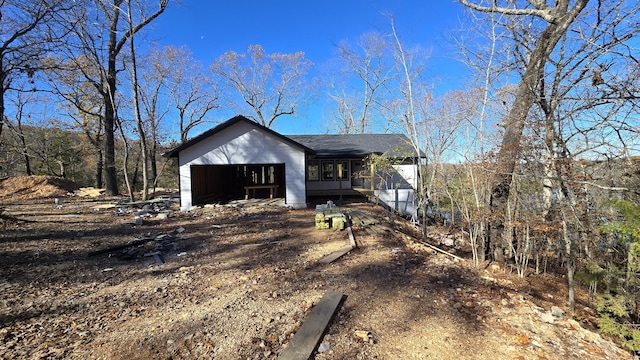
<point x="237" y="281"/>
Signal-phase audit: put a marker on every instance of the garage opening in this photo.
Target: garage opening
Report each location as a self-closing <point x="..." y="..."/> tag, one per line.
<point x="223" y="183"/>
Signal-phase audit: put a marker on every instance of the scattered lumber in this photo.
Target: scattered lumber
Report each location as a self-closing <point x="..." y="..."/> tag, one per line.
<point x="140" y="248"/>
<point x="360" y="218"/>
<point x="370" y="231"/>
<point x="306" y="340"/>
<point x="119" y="247"/>
<point x="104" y="206"/>
<point x="158" y="258"/>
<point x="336" y="254"/>
<point x="145" y="202"/>
<point x="343" y="250"/>
<point x="375" y="229"/>
<point x="366" y="222"/>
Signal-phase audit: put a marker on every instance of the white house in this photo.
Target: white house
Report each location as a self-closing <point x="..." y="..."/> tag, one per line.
<point x="241" y="158"/>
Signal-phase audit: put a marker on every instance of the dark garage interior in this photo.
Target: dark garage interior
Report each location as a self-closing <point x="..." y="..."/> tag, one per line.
<point x="223" y="183"/>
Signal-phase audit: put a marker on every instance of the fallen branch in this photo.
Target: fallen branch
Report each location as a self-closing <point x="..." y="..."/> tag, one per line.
<point x="431" y="246"/>
<point x="438" y="249"/>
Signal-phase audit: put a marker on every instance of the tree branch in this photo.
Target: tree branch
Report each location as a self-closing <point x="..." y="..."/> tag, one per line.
<point x="541" y="10"/>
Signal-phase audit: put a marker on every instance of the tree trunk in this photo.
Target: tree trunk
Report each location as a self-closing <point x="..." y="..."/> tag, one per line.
<point x="3" y="78"/>
<point x="508" y="154"/>
<point x="110" y="114"/>
<point x="134" y="180"/>
<point x="183" y="131"/>
<point x="136" y="107"/>
<point x="25" y="153"/>
<point x="99" y="164"/>
<point x="23" y="142"/>
<point x="153" y="162"/>
<point x="27" y="164"/>
<point x="568" y="243"/>
<point x="111" y="175"/>
<point x="125" y="161"/>
<point x="62" y="169"/>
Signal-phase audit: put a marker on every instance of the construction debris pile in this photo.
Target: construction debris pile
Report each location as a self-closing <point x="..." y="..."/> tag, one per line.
<point x="329" y="216"/>
<point x="148" y="246"/>
<point x="159" y="209"/>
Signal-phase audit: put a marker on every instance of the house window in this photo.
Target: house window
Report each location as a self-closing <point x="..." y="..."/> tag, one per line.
<point x="327" y="170"/>
<point x="313" y="170"/>
<point x="343" y="170"/>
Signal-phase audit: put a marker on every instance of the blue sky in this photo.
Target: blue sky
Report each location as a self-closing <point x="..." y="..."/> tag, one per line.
<point x="209" y="28"/>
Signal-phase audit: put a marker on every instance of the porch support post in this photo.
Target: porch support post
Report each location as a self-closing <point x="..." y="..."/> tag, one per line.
<point x="373" y="176"/>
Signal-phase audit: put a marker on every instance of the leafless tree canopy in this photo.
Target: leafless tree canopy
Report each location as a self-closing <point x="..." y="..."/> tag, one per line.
<point x="269" y="85"/>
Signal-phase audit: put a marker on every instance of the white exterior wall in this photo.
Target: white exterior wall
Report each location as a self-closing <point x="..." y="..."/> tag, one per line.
<point x="409" y="173"/>
<point x="400" y="200"/>
<point x="242" y="144"/>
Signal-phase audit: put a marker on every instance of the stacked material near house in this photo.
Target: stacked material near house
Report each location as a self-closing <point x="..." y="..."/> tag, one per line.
<point x="330" y="216"/>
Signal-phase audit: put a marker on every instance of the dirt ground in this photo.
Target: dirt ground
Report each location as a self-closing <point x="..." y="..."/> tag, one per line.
<point x="237" y="281"/>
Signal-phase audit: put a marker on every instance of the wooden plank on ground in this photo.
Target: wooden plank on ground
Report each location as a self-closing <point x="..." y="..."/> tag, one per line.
<point x="306" y="340"/>
<point x="356" y="218"/>
<point x="352" y="239"/>
<point x="373" y="228"/>
<point x="371" y="232"/>
<point x="336" y="254"/>
<point x="366" y="219"/>
<point x="379" y="229"/>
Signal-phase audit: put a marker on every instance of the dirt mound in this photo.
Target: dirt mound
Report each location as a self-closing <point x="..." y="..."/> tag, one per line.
<point x="20" y="188"/>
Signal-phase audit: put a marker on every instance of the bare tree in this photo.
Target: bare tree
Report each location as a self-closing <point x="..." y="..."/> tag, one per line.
<point x="125" y="158"/>
<point x="25" y="36"/>
<point x="136" y="106"/>
<point x="99" y="38"/>
<point x="357" y="90"/>
<point x="578" y="107"/>
<point x="585" y="106"/>
<point x="409" y="89"/>
<point x="268" y="85"/>
<point x="440" y="121"/>
<point x="80" y="102"/>
<point x="556" y="21"/>
<point x="191" y="92"/>
<point x="17" y="126"/>
<point x="152" y="81"/>
<point x="483" y="50"/>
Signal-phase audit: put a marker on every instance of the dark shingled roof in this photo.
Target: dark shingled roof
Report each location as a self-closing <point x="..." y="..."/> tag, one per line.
<point x="349" y="145"/>
<point x="394" y="145"/>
